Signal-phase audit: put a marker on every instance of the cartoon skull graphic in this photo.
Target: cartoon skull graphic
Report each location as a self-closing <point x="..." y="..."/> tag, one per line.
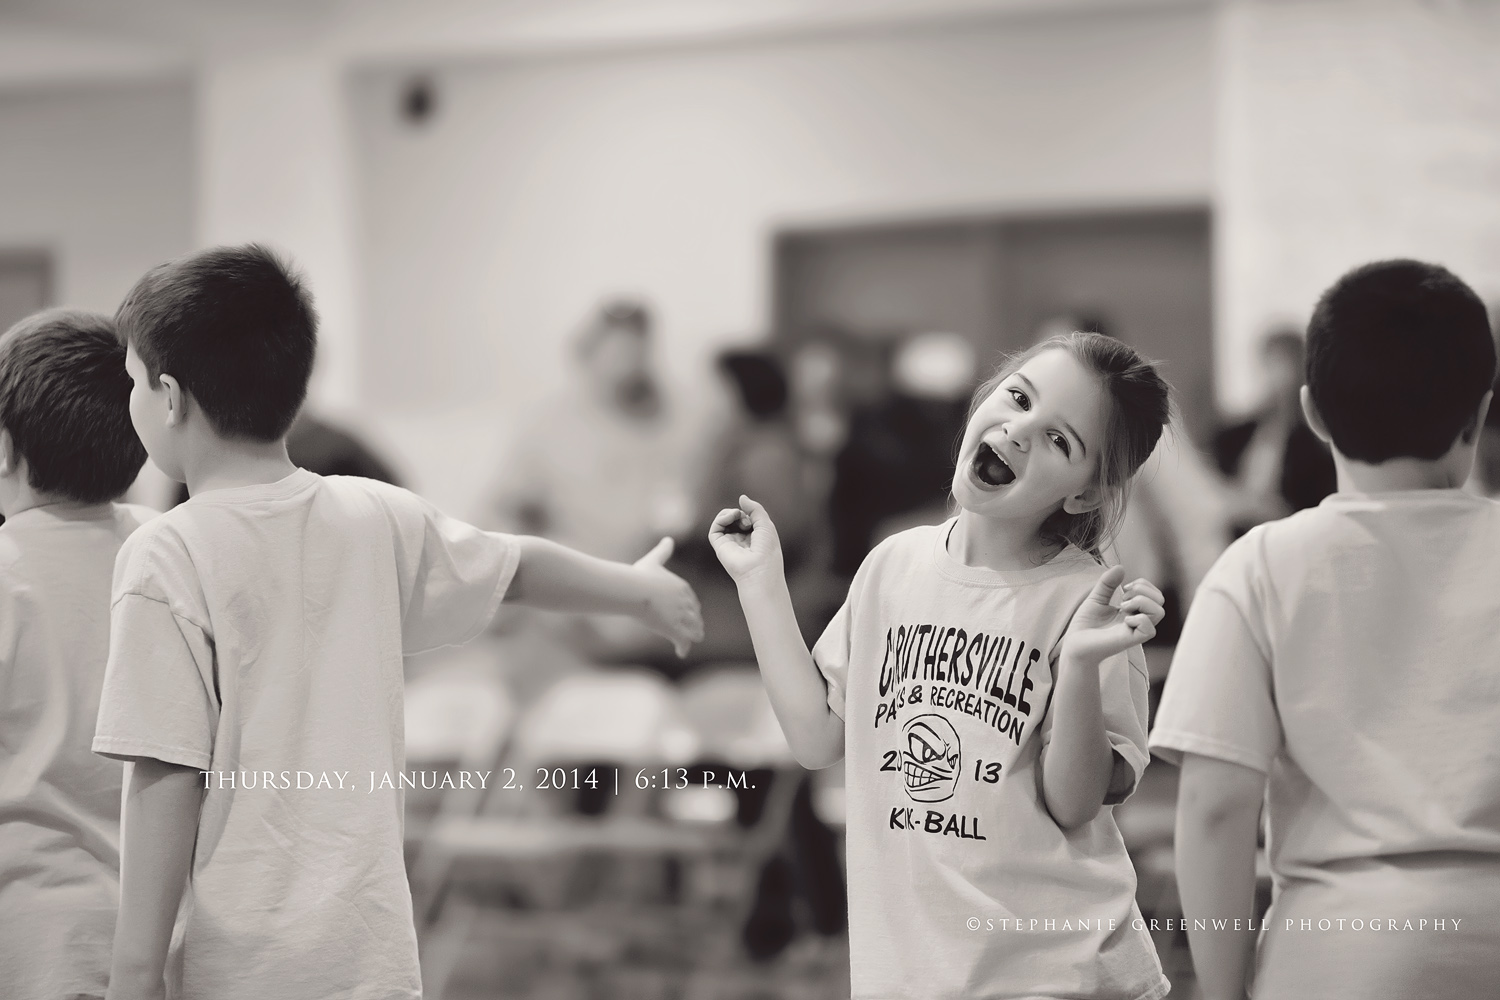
<point x="932" y="758"/>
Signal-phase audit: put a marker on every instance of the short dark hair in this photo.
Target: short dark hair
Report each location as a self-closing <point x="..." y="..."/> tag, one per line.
<point x="236" y="327"/>
<point x="65" y="400"/>
<point x="760" y="379"/>
<point x="1399" y="331"/>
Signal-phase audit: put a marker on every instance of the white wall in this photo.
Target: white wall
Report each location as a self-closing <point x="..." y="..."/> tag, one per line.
<point x="102" y="179"/>
<point x="1350" y="130"/>
<point x="542" y="186"/>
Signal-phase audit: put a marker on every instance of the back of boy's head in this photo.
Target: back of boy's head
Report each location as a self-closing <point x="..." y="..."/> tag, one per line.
<point x="235" y="327"/>
<point x="1399" y="354"/>
<point x="65" y="401"/>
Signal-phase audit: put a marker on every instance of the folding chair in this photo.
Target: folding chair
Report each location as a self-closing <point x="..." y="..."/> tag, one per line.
<point x="458" y="718"/>
<point x="619" y="724"/>
<point x="740" y="736"/>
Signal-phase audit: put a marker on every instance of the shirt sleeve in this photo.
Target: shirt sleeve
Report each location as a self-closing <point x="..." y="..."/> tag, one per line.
<point x="1124" y="688"/>
<point x="159" y="698"/>
<point x="1218" y="700"/>
<point x="453" y="575"/>
<point x="831" y="654"/>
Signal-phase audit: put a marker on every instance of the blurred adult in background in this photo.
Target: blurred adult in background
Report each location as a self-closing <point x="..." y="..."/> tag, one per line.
<point x="895" y="468"/>
<point x="601" y="466"/>
<point x="818" y="411"/>
<point x="1274" y="462"/>
<point x="760" y="454"/>
<point x="758" y="451"/>
<point x="606" y="465"/>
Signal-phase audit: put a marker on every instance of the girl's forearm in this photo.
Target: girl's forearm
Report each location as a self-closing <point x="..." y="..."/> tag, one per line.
<point x="554" y="577"/>
<point x="798" y="692"/>
<point x="1077" y="764"/>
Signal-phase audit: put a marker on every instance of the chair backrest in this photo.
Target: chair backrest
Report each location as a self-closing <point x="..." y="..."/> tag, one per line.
<point x="619" y="716"/>
<point x="728" y="708"/>
<point x="457" y="716"/>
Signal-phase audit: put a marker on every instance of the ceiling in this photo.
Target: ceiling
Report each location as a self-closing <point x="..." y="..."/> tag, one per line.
<point x="47" y="42"/>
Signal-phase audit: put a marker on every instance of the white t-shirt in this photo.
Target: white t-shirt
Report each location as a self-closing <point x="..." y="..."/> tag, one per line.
<point x="1352" y="652"/>
<point x="59" y="803"/>
<point x="258" y="633"/>
<point x="942" y="673"/>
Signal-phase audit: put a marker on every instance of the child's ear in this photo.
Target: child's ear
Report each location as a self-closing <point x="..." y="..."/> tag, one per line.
<point x="1314" y="418"/>
<point x="1469" y="432"/>
<point x="1090" y="499"/>
<point x="8" y="457"/>
<point x="176" y="399"/>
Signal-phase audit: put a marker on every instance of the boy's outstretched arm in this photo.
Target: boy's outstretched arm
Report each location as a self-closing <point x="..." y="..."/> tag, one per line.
<point x="1218" y="813"/>
<point x="556" y="578"/>
<point x="745" y="541"/>
<point x="159" y="831"/>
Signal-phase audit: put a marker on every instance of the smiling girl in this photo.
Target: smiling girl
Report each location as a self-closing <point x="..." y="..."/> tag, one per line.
<point x="988" y="690"/>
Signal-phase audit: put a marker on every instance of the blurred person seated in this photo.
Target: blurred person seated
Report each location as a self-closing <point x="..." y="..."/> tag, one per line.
<point x="895" y="469"/>
<point x="819" y="410"/>
<point x="1275" y="463"/>
<point x="759" y="453"/>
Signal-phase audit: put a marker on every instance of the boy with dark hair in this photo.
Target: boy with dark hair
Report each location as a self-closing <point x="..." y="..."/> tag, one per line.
<point x="67" y="451"/>
<point x="255" y="664"/>
<point x="1342" y="665"/>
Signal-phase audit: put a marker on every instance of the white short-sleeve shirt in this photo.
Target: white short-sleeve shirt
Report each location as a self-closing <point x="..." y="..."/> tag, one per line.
<point x="59" y="803"/>
<point x="961" y="885"/>
<point x="258" y="634"/>
<point x="1352" y="653"/>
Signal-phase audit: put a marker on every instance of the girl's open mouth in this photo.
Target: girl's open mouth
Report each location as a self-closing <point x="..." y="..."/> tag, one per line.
<point x="990" y="468"/>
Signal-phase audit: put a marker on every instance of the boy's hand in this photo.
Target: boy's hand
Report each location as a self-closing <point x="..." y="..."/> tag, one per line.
<point x="671" y="608"/>
<point x="1099" y="630"/>
<point x="745" y="541"/>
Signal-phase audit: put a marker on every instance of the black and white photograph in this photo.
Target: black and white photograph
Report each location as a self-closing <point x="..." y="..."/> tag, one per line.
<point x="749" y="499"/>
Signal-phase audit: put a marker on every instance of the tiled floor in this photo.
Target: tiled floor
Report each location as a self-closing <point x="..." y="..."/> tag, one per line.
<point x="499" y="964"/>
<point x="506" y="958"/>
<point x="493" y="969"/>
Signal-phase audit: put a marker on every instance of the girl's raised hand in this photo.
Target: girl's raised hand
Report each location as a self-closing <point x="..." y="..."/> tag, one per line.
<point x="745" y="541"/>
<point x="1099" y="629"/>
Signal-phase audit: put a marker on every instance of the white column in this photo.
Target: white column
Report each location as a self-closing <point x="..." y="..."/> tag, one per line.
<point x="1349" y="131"/>
<point x="275" y="167"/>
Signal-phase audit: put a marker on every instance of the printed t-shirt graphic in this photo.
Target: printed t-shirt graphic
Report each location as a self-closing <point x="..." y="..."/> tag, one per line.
<point x="943" y="674"/>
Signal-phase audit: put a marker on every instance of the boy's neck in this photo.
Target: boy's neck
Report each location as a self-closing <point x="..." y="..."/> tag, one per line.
<point x="25" y="498"/>
<point x="227" y="463"/>
<point x="990" y="543"/>
<point x="1400" y="474"/>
